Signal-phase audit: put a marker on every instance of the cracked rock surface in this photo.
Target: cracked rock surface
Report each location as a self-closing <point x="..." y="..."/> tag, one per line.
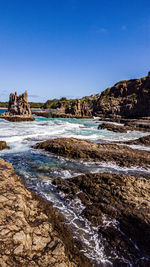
<point x="28" y="236"/>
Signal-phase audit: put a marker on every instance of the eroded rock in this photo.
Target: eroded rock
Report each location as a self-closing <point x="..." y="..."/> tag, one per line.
<point x="89" y="151"/>
<point x="115" y="128"/>
<point x="119" y="205"/>
<point x="18" y="108"/>
<point x="32" y="232"/>
<point x="127" y="99"/>
<point x="145" y="140"/>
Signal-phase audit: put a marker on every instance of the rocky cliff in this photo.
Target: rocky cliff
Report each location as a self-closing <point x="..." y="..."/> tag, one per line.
<point x="128" y="99"/>
<point x="78" y="107"/>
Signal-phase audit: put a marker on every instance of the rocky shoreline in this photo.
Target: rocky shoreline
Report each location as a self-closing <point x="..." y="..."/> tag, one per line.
<point x="117" y="204"/>
<point x="122" y="128"/>
<point x="84" y="150"/>
<point x="58" y="114"/>
<point x="32" y="232"/>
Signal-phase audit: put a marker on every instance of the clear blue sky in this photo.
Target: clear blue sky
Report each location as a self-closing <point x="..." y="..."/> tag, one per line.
<point x="72" y="48"/>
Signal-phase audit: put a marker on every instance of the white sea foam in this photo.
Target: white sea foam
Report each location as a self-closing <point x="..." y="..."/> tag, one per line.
<point x="21" y="136"/>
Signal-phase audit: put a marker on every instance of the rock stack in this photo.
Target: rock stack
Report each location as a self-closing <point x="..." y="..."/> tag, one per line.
<point x="18" y="105"/>
<point x="18" y="108"/>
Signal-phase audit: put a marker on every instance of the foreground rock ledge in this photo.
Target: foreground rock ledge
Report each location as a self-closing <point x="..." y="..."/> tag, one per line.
<point x="81" y="149"/>
<point x="124" y="200"/>
<point x="32" y="232"/>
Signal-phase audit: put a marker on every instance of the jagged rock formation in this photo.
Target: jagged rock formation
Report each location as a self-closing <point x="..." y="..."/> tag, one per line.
<point x="78" y="108"/>
<point x="18" y="108"/>
<point x="32" y="232"/>
<point x="128" y="99"/>
<point x="18" y="105"/>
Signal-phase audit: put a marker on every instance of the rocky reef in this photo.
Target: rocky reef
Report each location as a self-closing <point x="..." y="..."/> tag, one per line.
<point x="119" y="206"/>
<point x="128" y="99"/>
<point x="74" y="148"/>
<point x="115" y="128"/>
<point x="145" y="140"/>
<point x="116" y="204"/>
<point x="18" y="108"/>
<point x="32" y="232"/>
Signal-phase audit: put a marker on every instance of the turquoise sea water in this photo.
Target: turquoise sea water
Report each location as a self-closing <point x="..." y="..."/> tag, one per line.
<point x="2" y="110"/>
<point x="38" y="168"/>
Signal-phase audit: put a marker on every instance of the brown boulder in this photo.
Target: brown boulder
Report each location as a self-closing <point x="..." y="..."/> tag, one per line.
<point x="3" y="145"/>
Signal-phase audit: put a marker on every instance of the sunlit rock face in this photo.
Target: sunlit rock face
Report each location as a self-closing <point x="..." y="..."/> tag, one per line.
<point x="18" y="105"/>
<point x="128" y="99"/>
<point x="18" y="108"/>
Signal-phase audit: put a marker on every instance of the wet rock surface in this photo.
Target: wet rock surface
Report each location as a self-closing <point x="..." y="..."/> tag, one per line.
<point x="17" y="118"/>
<point x="119" y="206"/>
<point x="3" y="145"/>
<point x="115" y="128"/>
<point x="32" y="232"/>
<point x="145" y="140"/>
<point x="89" y="151"/>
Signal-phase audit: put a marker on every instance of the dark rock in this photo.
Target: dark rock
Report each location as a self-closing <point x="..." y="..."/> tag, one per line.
<point x="120" y="206"/>
<point x="115" y="128"/>
<point x="3" y="145"/>
<point x="89" y="151"/>
<point x="145" y="140"/>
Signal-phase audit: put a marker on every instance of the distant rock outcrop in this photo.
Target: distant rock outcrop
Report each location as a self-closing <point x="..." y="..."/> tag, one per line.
<point x="18" y="108"/>
<point x="18" y="105"/>
<point x="78" y="108"/>
<point x="128" y="99"/>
